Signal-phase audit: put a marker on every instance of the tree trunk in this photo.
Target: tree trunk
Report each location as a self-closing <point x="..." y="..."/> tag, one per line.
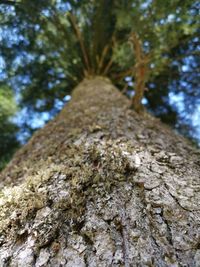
<point x="101" y="186"/>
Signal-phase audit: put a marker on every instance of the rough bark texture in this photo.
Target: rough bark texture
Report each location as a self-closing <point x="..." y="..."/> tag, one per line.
<point x="101" y="186"/>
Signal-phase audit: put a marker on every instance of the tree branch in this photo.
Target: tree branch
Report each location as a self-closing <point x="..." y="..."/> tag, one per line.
<point x="110" y="62"/>
<point x="129" y="72"/>
<point x="103" y="55"/>
<point x="141" y="71"/>
<point x="80" y="39"/>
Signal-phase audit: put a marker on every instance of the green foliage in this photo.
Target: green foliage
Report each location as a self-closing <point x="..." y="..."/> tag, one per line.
<point x="8" y="142"/>
<point x="123" y="55"/>
<point x="160" y="25"/>
<point x="7" y="105"/>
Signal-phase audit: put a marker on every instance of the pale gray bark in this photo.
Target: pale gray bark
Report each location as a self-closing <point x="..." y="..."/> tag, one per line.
<point x="101" y="186"/>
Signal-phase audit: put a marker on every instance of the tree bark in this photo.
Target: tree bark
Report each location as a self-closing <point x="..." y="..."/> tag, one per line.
<point x="101" y="185"/>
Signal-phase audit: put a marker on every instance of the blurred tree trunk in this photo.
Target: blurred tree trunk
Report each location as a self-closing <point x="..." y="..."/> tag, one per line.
<point x="101" y="185"/>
